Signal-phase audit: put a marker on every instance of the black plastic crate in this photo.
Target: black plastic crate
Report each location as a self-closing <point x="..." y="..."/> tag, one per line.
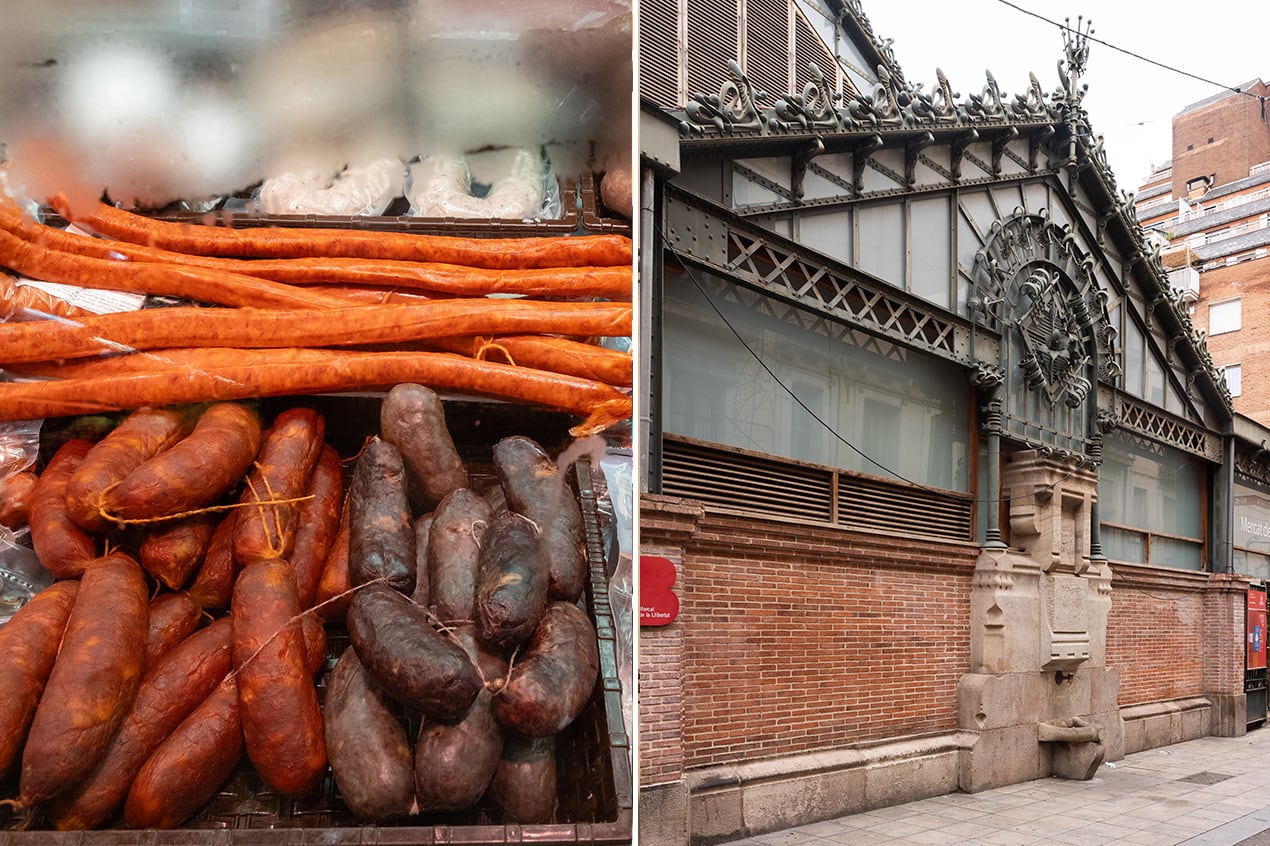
<point x="594" y="770"/>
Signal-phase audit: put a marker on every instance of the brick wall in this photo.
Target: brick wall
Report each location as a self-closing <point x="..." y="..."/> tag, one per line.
<point x="1240" y="136"/>
<point x="797" y="637"/>
<point x="1175" y="633"/>
<point x="1248" y="281"/>
<point x="661" y="670"/>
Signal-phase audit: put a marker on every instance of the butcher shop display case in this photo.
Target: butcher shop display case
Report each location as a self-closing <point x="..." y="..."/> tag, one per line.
<point x="274" y="217"/>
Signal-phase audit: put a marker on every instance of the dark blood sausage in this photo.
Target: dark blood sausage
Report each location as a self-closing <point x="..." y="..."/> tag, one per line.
<point x="535" y="487"/>
<point x="281" y="718"/>
<point x="332" y="597"/>
<point x="141" y="435"/>
<point x="214" y="581"/>
<point x="454" y="549"/>
<point x="62" y="546"/>
<point x="511" y="583"/>
<point x="190" y="765"/>
<point x="289" y="451"/>
<point x="423" y="531"/>
<point x="412" y="418"/>
<point x="169" y="691"/>
<point x="524" y="783"/>
<point x="553" y="677"/>
<point x="174" y="616"/>
<point x="15" y="499"/>
<point x="193" y="472"/>
<point x="319" y="523"/>
<point x="381" y="541"/>
<point x="94" y="680"/>
<point x="416" y="665"/>
<point x="454" y="762"/>
<point x="370" y="754"/>
<point x="172" y="551"/>
<point x="29" y="642"/>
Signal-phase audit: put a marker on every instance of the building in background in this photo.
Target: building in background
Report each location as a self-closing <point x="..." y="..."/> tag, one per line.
<point x="1208" y="209"/>
<point x="950" y="489"/>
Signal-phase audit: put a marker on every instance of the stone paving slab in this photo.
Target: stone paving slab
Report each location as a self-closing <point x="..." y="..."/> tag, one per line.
<point x="1214" y="791"/>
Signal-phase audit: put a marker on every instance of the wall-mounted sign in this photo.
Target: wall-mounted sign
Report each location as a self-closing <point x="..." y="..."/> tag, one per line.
<point x="658" y="604"/>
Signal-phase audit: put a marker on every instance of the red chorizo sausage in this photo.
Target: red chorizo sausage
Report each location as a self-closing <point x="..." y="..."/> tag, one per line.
<point x="15" y="499"/>
<point x="288" y="453"/>
<point x="174" y="616"/>
<point x="195" y="471"/>
<point x="332" y="599"/>
<point x="171" y="551"/>
<point x="94" y="680"/>
<point x="29" y="643"/>
<point x="189" y="766"/>
<point x="141" y="435"/>
<point x="281" y="718"/>
<point x="318" y="524"/>
<point x="214" y="581"/>
<point x="62" y="546"/>
<point x="169" y="691"/>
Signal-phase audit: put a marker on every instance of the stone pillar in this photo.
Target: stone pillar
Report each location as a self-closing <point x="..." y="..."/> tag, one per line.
<point x="1039" y="694"/>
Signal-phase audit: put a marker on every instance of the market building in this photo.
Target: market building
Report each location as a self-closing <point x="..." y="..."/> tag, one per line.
<point x="946" y="478"/>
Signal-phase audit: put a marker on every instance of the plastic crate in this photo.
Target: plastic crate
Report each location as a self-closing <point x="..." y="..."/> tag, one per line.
<point x="593" y="755"/>
<point x="593" y="210"/>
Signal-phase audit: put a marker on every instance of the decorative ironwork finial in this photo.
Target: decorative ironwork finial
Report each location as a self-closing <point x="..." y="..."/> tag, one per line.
<point x="1076" y="46"/>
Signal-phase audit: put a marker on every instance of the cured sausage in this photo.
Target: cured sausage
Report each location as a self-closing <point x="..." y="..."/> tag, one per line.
<point x="281" y="718"/>
<point x="172" y="688"/>
<point x="332" y="597"/>
<point x="62" y="546"/>
<point x="195" y="471"/>
<point x="524" y="783"/>
<point x="412" y="418"/>
<point x="536" y="488"/>
<point x="553" y="678"/>
<point x="381" y="543"/>
<point x="174" y="616"/>
<point x="319" y="522"/>
<point x="15" y="499"/>
<point x="141" y="435"/>
<point x="171" y="551"/>
<point x="511" y="587"/>
<point x="214" y="581"/>
<point x="370" y="755"/>
<point x="94" y="680"/>
<point x="266" y="525"/>
<point x="423" y="591"/>
<point x="29" y="643"/>
<point x="416" y="665"/>
<point x="454" y="549"/>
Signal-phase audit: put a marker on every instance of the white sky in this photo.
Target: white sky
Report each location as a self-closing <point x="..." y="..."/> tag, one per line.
<point x="1131" y="103"/>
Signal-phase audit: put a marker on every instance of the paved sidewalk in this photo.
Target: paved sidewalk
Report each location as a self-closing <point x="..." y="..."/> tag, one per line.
<point x="1214" y="791"/>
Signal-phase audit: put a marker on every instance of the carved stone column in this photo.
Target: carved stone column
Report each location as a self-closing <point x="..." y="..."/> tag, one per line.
<point x="1039" y="694"/>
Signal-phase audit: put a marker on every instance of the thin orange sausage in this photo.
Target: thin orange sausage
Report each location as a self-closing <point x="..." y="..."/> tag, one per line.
<point x="257" y="327"/>
<point x="271" y="242"/>
<point x="234" y="375"/>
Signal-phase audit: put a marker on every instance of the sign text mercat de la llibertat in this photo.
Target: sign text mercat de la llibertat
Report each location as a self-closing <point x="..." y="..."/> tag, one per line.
<point x="658" y="604"/>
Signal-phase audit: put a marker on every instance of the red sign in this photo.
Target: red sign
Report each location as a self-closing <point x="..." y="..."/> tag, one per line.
<point x="658" y="604"/>
<point x="1256" y="629"/>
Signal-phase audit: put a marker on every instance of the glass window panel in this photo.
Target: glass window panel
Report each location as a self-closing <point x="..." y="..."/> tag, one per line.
<point x="1234" y="378"/>
<point x="1155" y="383"/>
<point x="932" y="246"/>
<point x="1123" y="545"/>
<point x="907" y="413"/>
<point x="1134" y="355"/>
<point x="829" y="233"/>
<point x="1253" y="564"/>
<point x="882" y="242"/>
<point x="1171" y="552"/>
<point x="1224" y="317"/>
<point x="1252" y="519"/>
<point x="1157" y="489"/>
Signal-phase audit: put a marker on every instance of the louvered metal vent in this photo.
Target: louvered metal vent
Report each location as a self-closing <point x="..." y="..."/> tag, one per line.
<point x="712" y="43"/>
<point x="659" y="53"/>
<point x="810" y="48"/>
<point x="767" y="47"/>
<point x="875" y="504"/>
<point x="766" y="486"/>
<point x="746" y="482"/>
